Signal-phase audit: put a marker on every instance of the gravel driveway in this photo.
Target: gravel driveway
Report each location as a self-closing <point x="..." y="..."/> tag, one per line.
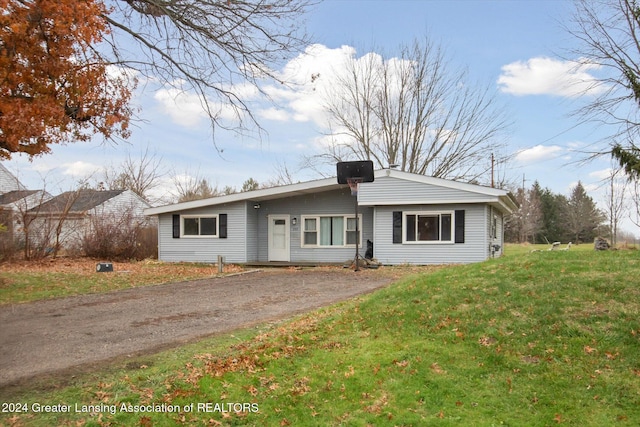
<point x="49" y="337"/>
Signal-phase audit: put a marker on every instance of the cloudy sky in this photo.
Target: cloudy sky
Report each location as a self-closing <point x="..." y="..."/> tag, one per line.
<point x="513" y="46"/>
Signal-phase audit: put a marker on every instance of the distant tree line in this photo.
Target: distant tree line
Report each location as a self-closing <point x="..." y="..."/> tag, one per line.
<point x="545" y="216"/>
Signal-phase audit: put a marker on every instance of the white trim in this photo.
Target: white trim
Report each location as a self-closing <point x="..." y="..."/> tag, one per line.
<point x="439" y="214"/>
<point x="317" y="217"/>
<point x="199" y="236"/>
<point x="428" y="202"/>
<point x="291" y="190"/>
<point x="494" y="195"/>
<point x="272" y="255"/>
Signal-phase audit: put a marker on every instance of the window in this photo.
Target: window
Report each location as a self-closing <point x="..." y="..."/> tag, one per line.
<point x="494" y="227"/>
<point x="428" y="227"/>
<point x="310" y="231"/>
<point x="352" y="238"/>
<point x="200" y="226"/>
<point x="331" y="231"/>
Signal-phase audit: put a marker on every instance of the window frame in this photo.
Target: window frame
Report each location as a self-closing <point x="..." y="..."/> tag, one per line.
<point x="199" y="235"/>
<point x="318" y="231"/>
<point x="437" y="214"/>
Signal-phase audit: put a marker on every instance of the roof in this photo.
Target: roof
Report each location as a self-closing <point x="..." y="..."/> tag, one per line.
<point x="14" y="196"/>
<point x="327" y="184"/>
<point x="8" y="181"/>
<point x="81" y="201"/>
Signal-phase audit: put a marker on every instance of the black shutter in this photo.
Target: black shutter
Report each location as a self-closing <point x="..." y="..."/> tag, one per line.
<point x="397" y="227"/>
<point x="176" y="226"/>
<point x="459" y="226"/>
<point x="222" y="226"/>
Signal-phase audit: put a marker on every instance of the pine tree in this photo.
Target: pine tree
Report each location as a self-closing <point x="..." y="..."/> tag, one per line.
<point x="583" y="219"/>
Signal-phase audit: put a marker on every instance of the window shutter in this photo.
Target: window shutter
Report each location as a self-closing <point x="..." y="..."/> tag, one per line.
<point x="459" y="226"/>
<point x="397" y="227"/>
<point x="176" y="226"/>
<point x="222" y="226"/>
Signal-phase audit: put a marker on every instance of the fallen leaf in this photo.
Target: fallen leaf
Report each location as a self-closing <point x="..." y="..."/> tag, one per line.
<point x="437" y="369"/>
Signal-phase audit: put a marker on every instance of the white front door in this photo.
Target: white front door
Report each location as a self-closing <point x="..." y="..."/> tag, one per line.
<point x="279" y="238"/>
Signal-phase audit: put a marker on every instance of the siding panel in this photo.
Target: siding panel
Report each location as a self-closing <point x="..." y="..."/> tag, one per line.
<point x="338" y="202"/>
<point x="205" y="249"/>
<point x="387" y="190"/>
<point x="473" y="250"/>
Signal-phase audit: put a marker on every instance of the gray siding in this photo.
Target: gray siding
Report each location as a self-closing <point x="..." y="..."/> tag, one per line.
<point x="124" y="202"/>
<point x="248" y="225"/>
<point x="474" y="249"/>
<point x="499" y="237"/>
<point x="252" y="232"/>
<point x="339" y="202"/>
<point x="205" y="249"/>
<point x="388" y="190"/>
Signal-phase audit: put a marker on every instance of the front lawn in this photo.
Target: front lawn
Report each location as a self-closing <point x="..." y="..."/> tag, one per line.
<point x="24" y="281"/>
<point x="533" y="338"/>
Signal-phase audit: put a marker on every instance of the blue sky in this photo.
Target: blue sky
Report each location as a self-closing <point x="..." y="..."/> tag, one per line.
<point x="513" y="46"/>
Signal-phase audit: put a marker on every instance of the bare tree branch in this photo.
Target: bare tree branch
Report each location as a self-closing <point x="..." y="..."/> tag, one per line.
<point x="416" y="111"/>
<point x="608" y="33"/>
<point x="210" y="47"/>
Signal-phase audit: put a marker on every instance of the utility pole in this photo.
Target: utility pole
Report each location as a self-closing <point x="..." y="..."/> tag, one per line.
<point x="493" y="162"/>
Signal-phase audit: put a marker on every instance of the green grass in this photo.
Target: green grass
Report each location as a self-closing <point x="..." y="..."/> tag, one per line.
<point x="531" y="339"/>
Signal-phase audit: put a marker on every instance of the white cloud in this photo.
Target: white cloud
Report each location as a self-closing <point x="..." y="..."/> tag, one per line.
<point x="548" y="76"/>
<point x="187" y="109"/>
<point x="80" y="169"/>
<point x="538" y="153"/>
<point x="184" y="108"/>
<point x="601" y="174"/>
<point x="275" y="114"/>
<point x="310" y="77"/>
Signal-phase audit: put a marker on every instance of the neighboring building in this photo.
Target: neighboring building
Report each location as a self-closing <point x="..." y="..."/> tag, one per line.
<point x="67" y="218"/>
<point x="15" y="202"/>
<point x="8" y="181"/>
<point x="410" y="218"/>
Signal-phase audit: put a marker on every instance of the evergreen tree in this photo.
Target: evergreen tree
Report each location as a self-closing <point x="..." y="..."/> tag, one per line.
<point x="554" y="207"/>
<point x="583" y="218"/>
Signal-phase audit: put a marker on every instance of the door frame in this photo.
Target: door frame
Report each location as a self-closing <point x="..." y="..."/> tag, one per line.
<point x="271" y="256"/>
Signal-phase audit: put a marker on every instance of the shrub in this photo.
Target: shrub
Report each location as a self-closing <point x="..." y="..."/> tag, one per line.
<point x="120" y="236"/>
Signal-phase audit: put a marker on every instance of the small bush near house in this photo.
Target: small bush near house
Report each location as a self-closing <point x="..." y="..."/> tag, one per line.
<point x="8" y="247"/>
<point x="120" y="237"/>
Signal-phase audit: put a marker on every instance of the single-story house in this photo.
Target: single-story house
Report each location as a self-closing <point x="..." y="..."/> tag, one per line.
<point x="409" y="218"/>
<point x="67" y="218"/>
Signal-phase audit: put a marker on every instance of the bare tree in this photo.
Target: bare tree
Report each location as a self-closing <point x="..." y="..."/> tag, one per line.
<point x="527" y="221"/>
<point x="190" y="187"/>
<point x="211" y="47"/>
<point x="416" y="111"/>
<point x="284" y="175"/>
<point x="615" y="198"/>
<point x="634" y="215"/>
<point x="140" y="175"/>
<point x="609" y="36"/>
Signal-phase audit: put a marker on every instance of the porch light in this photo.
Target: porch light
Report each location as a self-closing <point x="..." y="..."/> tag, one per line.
<point x="256" y="206"/>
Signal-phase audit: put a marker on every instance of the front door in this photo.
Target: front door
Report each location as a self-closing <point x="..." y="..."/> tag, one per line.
<point x="279" y="238"/>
